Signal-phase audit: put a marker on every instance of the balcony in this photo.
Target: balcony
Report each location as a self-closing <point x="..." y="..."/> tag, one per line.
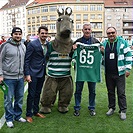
<point x="127" y="20"/>
<point x="127" y="27"/>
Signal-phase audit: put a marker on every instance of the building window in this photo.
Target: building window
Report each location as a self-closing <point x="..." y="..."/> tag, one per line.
<point x="23" y="21"/>
<point x="29" y="12"/>
<point x="37" y="26"/>
<point x="96" y="25"/>
<point x="18" y="22"/>
<point x="52" y="8"/>
<point x="92" y="7"/>
<point x="10" y="29"/>
<point x="37" y="10"/>
<point x="85" y="8"/>
<point x="99" y="25"/>
<point x="85" y="16"/>
<point x="52" y="17"/>
<point x="99" y="16"/>
<point x="38" y="19"/>
<point x="78" y="16"/>
<point x="117" y="25"/>
<point x="29" y="21"/>
<point x="109" y="10"/>
<point x="78" y="8"/>
<point x="33" y="11"/>
<point x="99" y="7"/>
<point x="78" y="26"/>
<point x="52" y="26"/>
<point x="33" y="28"/>
<point x="78" y="34"/>
<point x="109" y="17"/>
<point x="118" y="17"/>
<point x="44" y="9"/>
<point x="92" y="16"/>
<point x="125" y="32"/>
<point x="109" y="25"/>
<point x="33" y="19"/>
<point x="61" y="6"/>
<point x="125" y="16"/>
<point x="44" y="18"/>
<point x="125" y="24"/>
<point x="72" y="16"/>
<point x="29" y="28"/>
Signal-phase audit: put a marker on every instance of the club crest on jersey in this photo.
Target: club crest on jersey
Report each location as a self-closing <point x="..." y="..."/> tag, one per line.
<point x="63" y="55"/>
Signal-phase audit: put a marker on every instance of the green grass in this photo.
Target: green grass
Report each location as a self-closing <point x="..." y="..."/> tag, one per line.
<point x="67" y="123"/>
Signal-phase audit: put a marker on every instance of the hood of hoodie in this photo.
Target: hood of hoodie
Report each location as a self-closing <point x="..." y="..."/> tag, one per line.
<point x="11" y="41"/>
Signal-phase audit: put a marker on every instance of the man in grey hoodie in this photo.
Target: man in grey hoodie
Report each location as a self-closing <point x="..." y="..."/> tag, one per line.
<point x="12" y="55"/>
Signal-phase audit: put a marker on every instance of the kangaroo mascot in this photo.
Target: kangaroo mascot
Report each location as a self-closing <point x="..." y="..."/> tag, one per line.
<point x="59" y="80"/>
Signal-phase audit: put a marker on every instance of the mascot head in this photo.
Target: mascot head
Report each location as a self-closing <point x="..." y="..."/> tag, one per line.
<point x="64" y="23"/>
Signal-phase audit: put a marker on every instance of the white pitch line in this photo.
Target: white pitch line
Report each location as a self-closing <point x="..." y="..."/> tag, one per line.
<point x="3" y="120"/>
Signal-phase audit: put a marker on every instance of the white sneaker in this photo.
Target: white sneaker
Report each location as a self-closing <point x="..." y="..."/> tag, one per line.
<point x="22" y="120"/>
<point x="123" y="116"/>
<point x="110" y="112"/>
<point x="10" y="124"/>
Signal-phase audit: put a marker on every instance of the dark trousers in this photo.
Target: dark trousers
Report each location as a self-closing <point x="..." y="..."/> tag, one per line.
<point x="33" y="98"/>
<point x="112" y="82"/>
<point x="78" y="95"/>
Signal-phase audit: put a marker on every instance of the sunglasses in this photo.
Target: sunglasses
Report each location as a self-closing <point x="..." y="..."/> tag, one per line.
<point x="108" y="33"/>
<point x="87" y="29"/>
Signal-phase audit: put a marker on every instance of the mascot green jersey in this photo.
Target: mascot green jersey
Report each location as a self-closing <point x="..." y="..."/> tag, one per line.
<point x="59" y="80"/>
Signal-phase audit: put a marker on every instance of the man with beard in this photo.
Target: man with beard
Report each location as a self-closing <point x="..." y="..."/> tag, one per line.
<point x="11" y="72"/>
<point x="35" y="71"/>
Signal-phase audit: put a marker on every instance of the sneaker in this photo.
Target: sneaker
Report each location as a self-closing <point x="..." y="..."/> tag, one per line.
<point x="122" y="116"/>
<point x="10" y="124"/>
<point x="76" y="113"/>
<point x="110" y="112"/>
<point x="22" y="120"/>
<point x="92" y="112"/>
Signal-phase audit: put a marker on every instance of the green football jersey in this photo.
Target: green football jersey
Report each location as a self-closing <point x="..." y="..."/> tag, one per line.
<point x="88" y="62"/>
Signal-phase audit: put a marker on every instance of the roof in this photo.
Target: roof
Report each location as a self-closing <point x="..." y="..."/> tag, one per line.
<point x="62" y="1"/>
<point x="14" y="3"/>
<point x="118" y="3"/>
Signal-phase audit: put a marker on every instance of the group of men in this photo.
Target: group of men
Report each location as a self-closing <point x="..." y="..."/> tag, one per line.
<point x="18" y="63"/>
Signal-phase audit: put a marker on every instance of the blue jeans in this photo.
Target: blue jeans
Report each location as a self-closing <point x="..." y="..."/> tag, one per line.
<point x="33" y="98"/>
<point x="78" y="95"/>
<point x="16" y="92"/>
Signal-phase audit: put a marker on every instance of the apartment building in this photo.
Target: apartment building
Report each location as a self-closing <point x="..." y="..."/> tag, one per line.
<point x="44" y="12"/>
<point x="13" y="13"/>
<point x="118" y="13"/>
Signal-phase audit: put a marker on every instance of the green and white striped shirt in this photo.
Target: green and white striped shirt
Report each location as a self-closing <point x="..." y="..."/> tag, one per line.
<point x="59" y="64"/>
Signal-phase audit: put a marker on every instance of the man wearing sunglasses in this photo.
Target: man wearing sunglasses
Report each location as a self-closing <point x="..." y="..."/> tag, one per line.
<point x="118" y="62"/>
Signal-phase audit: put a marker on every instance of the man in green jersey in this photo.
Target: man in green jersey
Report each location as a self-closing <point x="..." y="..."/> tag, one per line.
<point x="89" y="40"/>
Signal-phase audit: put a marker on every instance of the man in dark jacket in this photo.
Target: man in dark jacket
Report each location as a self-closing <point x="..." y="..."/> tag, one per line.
<point x="27" y="41"/>
<point x="35" y="70"/>
<point x="89" y="40"/>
